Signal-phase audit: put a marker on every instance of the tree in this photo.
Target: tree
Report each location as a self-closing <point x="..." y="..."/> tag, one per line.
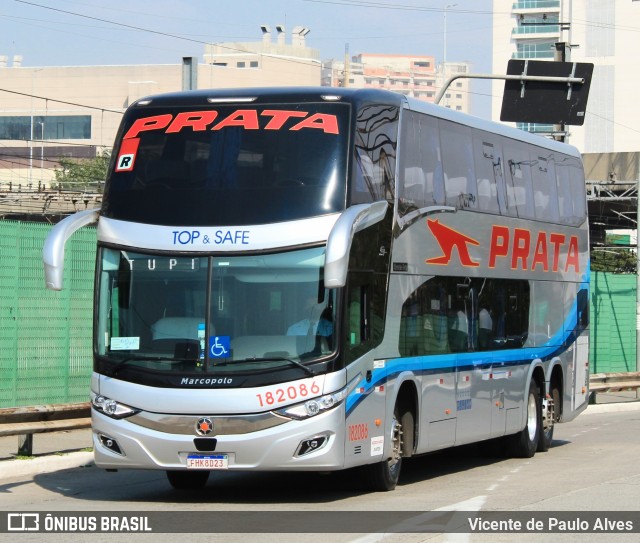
<point x="613" y="260"/>
<point x="83" y="174"/>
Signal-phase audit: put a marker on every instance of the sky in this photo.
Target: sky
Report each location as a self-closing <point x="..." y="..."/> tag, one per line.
<point x="99" y="32"/>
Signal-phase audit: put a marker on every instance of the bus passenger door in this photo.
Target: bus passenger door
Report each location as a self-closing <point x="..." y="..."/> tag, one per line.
<point x="366" y="406"/>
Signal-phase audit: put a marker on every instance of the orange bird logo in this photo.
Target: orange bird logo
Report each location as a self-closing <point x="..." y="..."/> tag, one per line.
<point x="448" y="239"/>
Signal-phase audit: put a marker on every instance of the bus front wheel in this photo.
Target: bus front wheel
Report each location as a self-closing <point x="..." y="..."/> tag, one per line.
<point x="383" y="476"/>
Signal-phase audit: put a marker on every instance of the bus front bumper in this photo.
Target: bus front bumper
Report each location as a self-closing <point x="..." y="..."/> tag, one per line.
<point x="312" y="444"/>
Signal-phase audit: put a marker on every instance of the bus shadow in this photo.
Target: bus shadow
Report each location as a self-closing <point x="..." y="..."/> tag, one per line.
<point x="456" y="460"/>
<point x="258" y="488"/>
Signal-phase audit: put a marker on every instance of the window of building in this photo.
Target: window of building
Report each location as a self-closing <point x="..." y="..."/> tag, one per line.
<point x="50" y="127"/>
<point x="253" y="64"/>
<point x="535" y="50"/>
<point x="240" y="64"/>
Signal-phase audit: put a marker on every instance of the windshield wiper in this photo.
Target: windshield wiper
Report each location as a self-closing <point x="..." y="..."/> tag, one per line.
<point x="138" y="358"/>
<point x="300" y="365"/>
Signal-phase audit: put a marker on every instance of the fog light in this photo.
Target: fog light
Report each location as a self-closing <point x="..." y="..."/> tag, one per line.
<point x="111" y="444"/>
<point x="311" y="445"/>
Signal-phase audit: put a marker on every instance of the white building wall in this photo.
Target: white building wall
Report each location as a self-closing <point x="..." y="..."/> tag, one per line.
<point x="606" y="33"/>
<point x="109" y="90"/>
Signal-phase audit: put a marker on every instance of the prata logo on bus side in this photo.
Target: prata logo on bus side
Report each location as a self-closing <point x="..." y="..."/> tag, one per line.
<point x="517" y="247"/>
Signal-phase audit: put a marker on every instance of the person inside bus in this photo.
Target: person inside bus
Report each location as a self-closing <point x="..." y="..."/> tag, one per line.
<point x="485" y="329"/>
<point x="458" y="329"/>
<point x="316" y="323"/>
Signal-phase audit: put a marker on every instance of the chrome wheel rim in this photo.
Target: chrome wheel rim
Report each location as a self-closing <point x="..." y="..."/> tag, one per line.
<point x="396" y="448"/>
<point x="532" y="418"/>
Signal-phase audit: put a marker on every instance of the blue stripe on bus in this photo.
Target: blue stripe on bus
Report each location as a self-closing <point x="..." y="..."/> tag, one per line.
<point x="447" y="363"/>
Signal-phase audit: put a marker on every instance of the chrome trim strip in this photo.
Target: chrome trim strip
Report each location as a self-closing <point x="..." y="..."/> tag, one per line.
<point x="222" y="425"/>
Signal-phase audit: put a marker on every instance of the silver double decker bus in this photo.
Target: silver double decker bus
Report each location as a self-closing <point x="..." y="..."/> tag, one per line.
<point x="321" y="279"/>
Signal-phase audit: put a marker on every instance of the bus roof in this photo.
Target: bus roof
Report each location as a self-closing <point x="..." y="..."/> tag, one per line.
<point x="258" y="95"/>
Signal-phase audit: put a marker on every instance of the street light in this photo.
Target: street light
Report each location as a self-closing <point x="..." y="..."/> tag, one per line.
<point x="33" y="73"/>
<point x="444" y="49"/>
<point x="41" y="123"/>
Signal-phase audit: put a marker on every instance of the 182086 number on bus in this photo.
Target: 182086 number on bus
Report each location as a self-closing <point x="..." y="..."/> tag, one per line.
<point x="290" y="393"/>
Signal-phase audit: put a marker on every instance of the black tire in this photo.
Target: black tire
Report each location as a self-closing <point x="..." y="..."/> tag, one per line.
<point x="525" y="443"/>
<point x="187" y="480"/>
<point x="407" y="425"/>
<point x="549" y="419"/>
<point x="383" y="476"/>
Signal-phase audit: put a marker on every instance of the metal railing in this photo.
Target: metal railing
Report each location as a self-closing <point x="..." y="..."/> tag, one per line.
<point x="37" y="419"/>
<point x="612" y="382"/>
<point x="26" y="421"/>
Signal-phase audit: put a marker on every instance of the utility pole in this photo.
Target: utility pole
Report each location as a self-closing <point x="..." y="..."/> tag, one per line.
<point x="444" y="44"/>
<point x="345" y="82"/>
<point x="560" y="55"/>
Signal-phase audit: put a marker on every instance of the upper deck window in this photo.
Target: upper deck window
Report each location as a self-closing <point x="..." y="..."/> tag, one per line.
<point x="229" y="165"/>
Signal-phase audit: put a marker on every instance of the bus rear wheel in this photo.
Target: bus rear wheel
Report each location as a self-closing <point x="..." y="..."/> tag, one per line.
<point x="187" y="480"/>
<point x="525" y="443"/>
<point x="550" y="415"/>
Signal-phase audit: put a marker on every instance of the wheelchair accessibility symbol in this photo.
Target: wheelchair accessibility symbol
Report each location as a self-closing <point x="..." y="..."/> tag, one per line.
<point x="219" y="346"/>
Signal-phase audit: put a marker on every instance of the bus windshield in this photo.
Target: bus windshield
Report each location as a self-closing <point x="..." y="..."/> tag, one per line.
<point x="231" y="165"/>
<point x="213" y="314"/>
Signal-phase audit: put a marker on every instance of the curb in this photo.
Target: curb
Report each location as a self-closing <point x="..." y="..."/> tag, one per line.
<point x="594" y="409"/>
<point x="11" y="469"/>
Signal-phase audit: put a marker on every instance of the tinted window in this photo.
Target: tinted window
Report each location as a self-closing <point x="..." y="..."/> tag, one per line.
<point x="519" y="183"/>
<point x="376" y="139"/>
<point x="229" y="165"/>
<point x="571" y="190"/>
<point x="421" y="183"/>
<point x="457" y="159"/>
<point x="545" y="196"/>
<point x="457" y="314"/>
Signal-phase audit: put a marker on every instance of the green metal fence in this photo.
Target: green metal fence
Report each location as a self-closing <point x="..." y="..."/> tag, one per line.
<point x="45" y="336"/>
<point x="613" y="323"/>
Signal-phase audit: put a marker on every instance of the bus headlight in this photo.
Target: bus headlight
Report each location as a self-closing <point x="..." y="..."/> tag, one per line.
<point x="111" y="408"/>
<point x="313" y="407"/>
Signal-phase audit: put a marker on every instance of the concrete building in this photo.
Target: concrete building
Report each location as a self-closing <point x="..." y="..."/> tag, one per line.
<point x="74" y="111"/>
<point x="417" y="76"/>
<point x="602" y="32"/>
<point x="270" y="62"/>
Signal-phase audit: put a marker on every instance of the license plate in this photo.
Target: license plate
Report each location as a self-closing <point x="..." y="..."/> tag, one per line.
<point x="214" y="461"/>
